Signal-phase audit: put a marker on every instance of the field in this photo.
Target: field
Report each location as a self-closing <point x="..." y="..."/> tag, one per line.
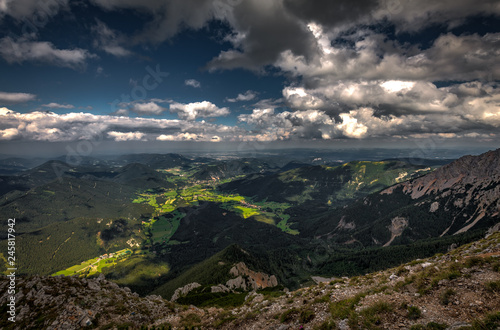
<point x="190" y="192"/>
<point x="96" y="265"/>
<point x="168" y="211"/>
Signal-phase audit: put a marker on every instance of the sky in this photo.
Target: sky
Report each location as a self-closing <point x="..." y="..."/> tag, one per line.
<point x="243" y="74"/>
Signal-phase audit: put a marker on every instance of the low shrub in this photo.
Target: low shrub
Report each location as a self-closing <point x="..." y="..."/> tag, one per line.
<point x="414" y="312"/>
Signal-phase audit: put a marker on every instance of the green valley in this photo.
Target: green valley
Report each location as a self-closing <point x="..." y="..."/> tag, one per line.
<point x="153" y="228"/>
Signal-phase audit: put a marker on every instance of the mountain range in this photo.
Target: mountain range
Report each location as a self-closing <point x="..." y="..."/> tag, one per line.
<point x="178" y="216"/>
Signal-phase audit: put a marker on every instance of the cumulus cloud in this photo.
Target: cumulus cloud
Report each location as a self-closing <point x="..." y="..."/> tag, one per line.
<point x="247" y="96"/>
<point x="126" y="136"/>
<point x="192" y="111"/>
<point x="373" y="56"/>
<point x="311" y="124"/>
<point x="12" y="98"/>
<point x="150" y="108"/>
<point x="192" y="82"/>
<point x="54" y="105"/>
<point x="188" y="137"/>
<point x="49" y="126"/>
<point x="22" y="50"/>
<point x="267" y="125"/>
<point x="8" y="133"/>
<point x="429" y="110"/>
<point x="121" y="112"/>
<point x="394" y="97"/>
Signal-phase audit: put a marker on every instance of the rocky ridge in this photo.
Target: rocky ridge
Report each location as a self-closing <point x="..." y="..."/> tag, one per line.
<point x="460" y="289"/>
<point x="244" y="279"/>
<point x="476" y="178"/>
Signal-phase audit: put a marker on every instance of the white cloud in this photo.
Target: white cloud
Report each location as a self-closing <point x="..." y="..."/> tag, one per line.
<point x="388" y="96"/>
<point x="127" y="136"/>
<point x="192" y="82"/>
<point x="121" y="112"/>
<point x="267" y="126"/>
<point x="8" y="133"/>
<point x="189" y="137"/>
<point x="351" y="127"/>
<point x="49" y="126"/>
<point x="11" y="98"/>
<point x="5" y="111"/>
<point x="469" y="116"/>
<point x="54" y="105"/>
<point x="42" y="51"/>
<point x="180" y="137"/>
<point x="247" y="96"/>
<point x="192" y="111"/>
<point x="150" y="108"/>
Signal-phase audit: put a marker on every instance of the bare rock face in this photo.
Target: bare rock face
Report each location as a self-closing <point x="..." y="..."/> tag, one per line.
<point x="398" y="224"/>
<point x="179" y="292"/>
<point x="434" y="207"/>
<point x="237" y="283"/>
<point x="257" y="280"/>
<point x="468" y="170"/>
<point x="219" y="288"/>
<point x="471" y="182"/>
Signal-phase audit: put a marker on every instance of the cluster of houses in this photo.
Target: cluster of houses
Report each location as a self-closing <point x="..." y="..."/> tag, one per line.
<point x="250" y="205"/>
<point x="105" y="256"/>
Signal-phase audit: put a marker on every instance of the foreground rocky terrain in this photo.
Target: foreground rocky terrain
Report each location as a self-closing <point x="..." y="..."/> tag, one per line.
<point x="457" y="290"/>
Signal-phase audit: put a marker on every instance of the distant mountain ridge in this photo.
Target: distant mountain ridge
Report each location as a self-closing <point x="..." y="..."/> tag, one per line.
<point x="457" y="197"/>
<point x="322" y="184"/>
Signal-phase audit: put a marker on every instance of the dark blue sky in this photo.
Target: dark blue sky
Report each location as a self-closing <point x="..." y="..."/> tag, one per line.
<point x="233" y="72"/>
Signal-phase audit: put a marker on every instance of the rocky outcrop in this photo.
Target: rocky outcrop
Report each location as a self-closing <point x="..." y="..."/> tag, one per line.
<point x="244" y="279"/>
<point x="398" y="225"/>
<point x="179" y="292"/>
<point x="45" y="302"/>
<point x="255" y="281"/>
<point x="219" y="288"/>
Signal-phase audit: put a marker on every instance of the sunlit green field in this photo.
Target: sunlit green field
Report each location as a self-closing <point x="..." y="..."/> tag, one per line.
<point x="191" y="192"/>
<point x="95" y="265"/>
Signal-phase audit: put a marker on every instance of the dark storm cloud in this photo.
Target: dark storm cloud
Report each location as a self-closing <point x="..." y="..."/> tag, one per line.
<point x="330" y="13"/>
<point x="34" y="12"/>
<point x="263" y="30"/>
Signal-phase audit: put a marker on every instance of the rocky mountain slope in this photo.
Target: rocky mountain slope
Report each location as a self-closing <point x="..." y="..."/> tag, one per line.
<point x="476" y="179"/>
<point x="456" y="198"/>
<point x="460" y="289"/>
